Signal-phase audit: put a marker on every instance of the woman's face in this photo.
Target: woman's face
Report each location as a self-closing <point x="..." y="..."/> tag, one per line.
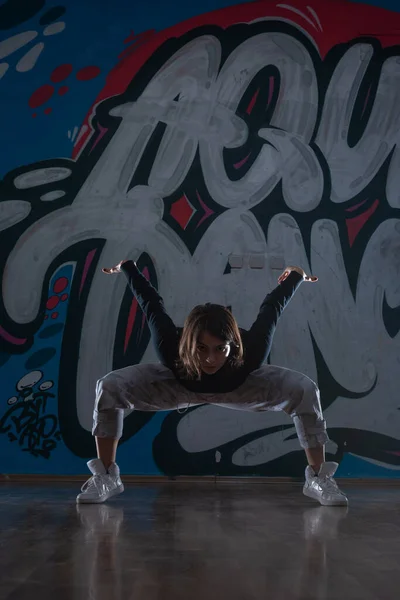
<point x="213" y="352"/>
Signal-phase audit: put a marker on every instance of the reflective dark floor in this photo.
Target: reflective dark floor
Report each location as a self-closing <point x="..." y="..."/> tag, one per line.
<point x="198" y="542"/>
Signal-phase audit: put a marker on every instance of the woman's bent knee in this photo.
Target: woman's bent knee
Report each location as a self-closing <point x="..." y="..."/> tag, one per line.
<point x="108" y="424"/>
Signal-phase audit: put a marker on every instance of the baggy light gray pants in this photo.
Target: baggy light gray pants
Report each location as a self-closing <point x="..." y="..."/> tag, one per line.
<point x="153" y="387"/>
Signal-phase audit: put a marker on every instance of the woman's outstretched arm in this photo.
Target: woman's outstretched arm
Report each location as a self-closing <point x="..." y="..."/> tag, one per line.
<point x="258" y="340"/>
<point x="163" y="331"/>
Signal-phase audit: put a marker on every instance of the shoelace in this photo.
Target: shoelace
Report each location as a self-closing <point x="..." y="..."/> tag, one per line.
<point x="96" y="481"/>
<point x="329" y="484"/>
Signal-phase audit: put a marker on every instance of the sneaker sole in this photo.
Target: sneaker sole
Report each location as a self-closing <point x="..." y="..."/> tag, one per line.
<point x="83" y="500"/>
<point x="309" y="494"/>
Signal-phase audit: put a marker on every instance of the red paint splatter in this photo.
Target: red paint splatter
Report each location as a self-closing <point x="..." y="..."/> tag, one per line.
<point x="63" y="90"/>
<point x="60" y="73"/>
<point x="41" y="95"/>
<point x="271" y="88"/>
<point x="102" y="131"/>
<point x="207" y="210"/>
<point x="131" y="37"/>
<point x="11" y="338"/>
<point x="52" y="302"/>
<point x="86" y="267"/>
<point x="34" y="115"/>
<point x="48" y="110"/>
<point x="87" y="73"/>
<point x="135" y="42"/>
<point x="54" y="315"/>
<point x="60" y="284"/>
<point x="64" y="297"/>
<point x="242" y="162"/>
<point x="182" y="211"/>
<point x="355" y="224"/>
<point x="252" y="102"/>
<point x="352" y="208"/>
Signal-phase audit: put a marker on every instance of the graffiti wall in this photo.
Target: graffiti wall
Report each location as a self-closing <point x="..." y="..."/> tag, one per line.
<point x="214" y="149"/>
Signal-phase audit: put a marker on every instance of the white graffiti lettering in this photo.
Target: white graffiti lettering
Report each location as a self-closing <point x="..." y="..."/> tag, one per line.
<point x="197" y="99"/>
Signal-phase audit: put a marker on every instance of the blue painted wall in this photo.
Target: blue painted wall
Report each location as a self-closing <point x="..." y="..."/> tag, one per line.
<point x="56" y="59"/>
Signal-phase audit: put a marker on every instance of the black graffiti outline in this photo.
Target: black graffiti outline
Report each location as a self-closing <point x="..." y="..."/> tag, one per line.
<point x="77" y="439"/>
<point x="33" y="427"/>
<point x="89" y="157"/>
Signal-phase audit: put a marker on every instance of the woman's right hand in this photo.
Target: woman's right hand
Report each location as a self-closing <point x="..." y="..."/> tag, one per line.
<point x="112" y="270"/>
<point x="300" y="271"/>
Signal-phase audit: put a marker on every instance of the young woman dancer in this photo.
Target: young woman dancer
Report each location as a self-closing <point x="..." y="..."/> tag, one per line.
<point x="210" y="361"/>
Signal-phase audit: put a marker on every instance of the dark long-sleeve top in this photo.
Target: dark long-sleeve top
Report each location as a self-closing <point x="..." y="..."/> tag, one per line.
<point x="165" y="334"/>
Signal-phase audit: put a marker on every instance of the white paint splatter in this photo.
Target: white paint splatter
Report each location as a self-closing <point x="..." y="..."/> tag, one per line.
<point x="54" y="28"/>
<point x="29" y="380"/>
<point x="75" y="132"/>
<point x="50" y="196"/>
<point x="40" y="177"/>
<point x="316" y="17"/>
<point x="298" y="12"/>
<point x="12" y="212"/>
<point x="83" y="130"/>
<point x="16" y="42"/>
<point x="28" y="61"/>
<point x="46" y="385"/>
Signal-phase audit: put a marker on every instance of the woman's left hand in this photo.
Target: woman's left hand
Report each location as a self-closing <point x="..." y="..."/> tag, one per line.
<point x="288" y="270"/>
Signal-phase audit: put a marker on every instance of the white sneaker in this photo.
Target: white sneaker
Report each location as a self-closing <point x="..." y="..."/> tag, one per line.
<point x="102" y="485"/>
<point x="323" y="487"/>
